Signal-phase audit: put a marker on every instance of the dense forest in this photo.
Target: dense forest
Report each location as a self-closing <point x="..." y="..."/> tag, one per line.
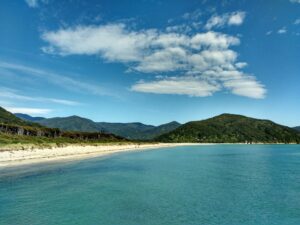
<point x="228" y="128"/>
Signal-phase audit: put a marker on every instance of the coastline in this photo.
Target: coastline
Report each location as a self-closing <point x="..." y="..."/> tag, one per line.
<point x="10" y="158"/>
<point x="28" y="156"/>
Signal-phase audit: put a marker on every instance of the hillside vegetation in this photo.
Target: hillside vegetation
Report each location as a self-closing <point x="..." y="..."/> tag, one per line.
<point x="225" y="128"/>
<point x="10" y="139"/>
<point x="14" y="130"/>
<point x="28" y="118"/>
<point x="228" y="128"/>
<point x="138" y="131"/>
<point x="9" y="118"/>
<point x="134" y="131"/>
<point x="297" y="128"/>
<point x="72" y="123"/>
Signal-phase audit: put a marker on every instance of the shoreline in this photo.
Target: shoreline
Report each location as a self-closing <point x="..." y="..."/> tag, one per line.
<point x="12" y="158"/>
<point x="30" y="156"/>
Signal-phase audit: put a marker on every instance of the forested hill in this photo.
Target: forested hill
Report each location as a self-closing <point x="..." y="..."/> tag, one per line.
<point x="134" y="131"/>
<point x="297" y="128"/>
<point x="7" y="117"/>
<point x="14" y="130"/>
<point x="229" y="128"/>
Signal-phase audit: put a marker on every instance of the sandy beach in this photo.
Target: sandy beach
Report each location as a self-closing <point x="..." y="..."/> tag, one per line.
<point x="31" y="156"/>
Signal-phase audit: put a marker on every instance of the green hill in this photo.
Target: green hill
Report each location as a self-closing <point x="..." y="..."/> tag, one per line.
<point x="134" y="131"/>
<point x="71" y="123"/>
<point x="14" y="130"/>
<point x="127" y="130"/>
<point x="28" y="118"/>
<point x="297" y="128"/>
<point x="138" y="130"/>
<point x="228" y="128"/>
<point x="162" y="129"/>
<point x="9" y="118"/>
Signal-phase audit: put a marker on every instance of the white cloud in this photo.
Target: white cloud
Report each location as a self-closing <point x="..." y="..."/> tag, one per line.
<point x="241" y="65"/>
<point x="190" y="86"/>
<point x="6" y="93"/>
<point x="113" y="42"/>
<point x="32" y="3"/>
<point x="269" y="33"/>
<point x="297" y="22"/>
<point x="31" y="111"/>
<point x="246" y="86"/>
<point x="205" y="84"/>
<point x="168" y="59"/>
<point x="146" y="50"/>
<point x="35" y="3"/>
<point x="57" y="79"/>
<point x="195" y="15"/>
<point x="195" y="57"/>
<point x="196" y="86"/>
<point x="236" y="18"/>
<point x="229" y="19"/>
<point x="183" y="28"/>
<point x="213" y="40"/>
<point x="282" y="31"/>
<point x="295" y="1"/>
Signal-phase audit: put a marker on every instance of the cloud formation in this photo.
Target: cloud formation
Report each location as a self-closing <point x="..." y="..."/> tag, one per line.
<point x="283" y="30"/>
<point x="191" y="86"/>
<point x="63" y="81"/>
<point x="295" y="1"/>
<point x="6" y="93"/>
<point x="35" y="3"/>
<point x="297" y="22"/>
<point x="32" y="3"/>
<point x="30" y="111"/>
<point x="201" y="60"/>
<point x="229" y="19"/>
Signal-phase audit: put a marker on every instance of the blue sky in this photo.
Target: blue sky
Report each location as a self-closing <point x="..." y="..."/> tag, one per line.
<point x="151" y="61"/>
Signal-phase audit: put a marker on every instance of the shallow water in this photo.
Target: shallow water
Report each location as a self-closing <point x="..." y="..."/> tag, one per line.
<point x="219" y="184"/>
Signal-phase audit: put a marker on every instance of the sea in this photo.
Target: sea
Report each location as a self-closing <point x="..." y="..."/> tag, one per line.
<point x="186" y="185"/>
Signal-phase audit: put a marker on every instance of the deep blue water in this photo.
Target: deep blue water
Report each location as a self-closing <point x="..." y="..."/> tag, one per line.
<point x="222" y="184"/>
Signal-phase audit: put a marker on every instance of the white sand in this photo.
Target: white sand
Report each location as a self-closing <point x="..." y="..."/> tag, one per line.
<point x="21" y="157"/>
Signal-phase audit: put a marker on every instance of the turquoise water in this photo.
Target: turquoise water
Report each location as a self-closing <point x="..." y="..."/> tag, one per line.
<point x="222" y="184"/>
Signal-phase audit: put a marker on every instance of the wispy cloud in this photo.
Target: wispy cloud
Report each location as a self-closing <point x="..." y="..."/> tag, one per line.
<point x="195" y="15"/>
<point x="295" y="1"/>
<point x="182" y="28"/>
<point x="229" y="19"/>
<point x="269" y="32"/>
<point x="32" y="3"/>
<point x="6" y="93"/>
<point x="283" y="30"/>
<point x="241" y="65"/>
<point x="246" y="86"/>
<point x="30" y="111"/>
<point x="191" y="86"/>
<point x="200" y="59"/>
<point x="35" y="3"/>
<point x="297" y="22"/>
<point x="57" y="79"/>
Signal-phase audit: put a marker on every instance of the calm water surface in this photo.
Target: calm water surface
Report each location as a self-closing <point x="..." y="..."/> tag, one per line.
<point x="221" y="184"/>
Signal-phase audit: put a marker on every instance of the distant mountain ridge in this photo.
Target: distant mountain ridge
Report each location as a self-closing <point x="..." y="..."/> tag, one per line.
<point x="9" y="118"/>
<point x="71" y="123"/>
<point x="297" y="128"/>
<point x="28" y="118"/>
<point x="136" y="131"/>
<point x="229" y="128"/>
<point x="225" y="128"/>
<point x="14" y="130"/>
